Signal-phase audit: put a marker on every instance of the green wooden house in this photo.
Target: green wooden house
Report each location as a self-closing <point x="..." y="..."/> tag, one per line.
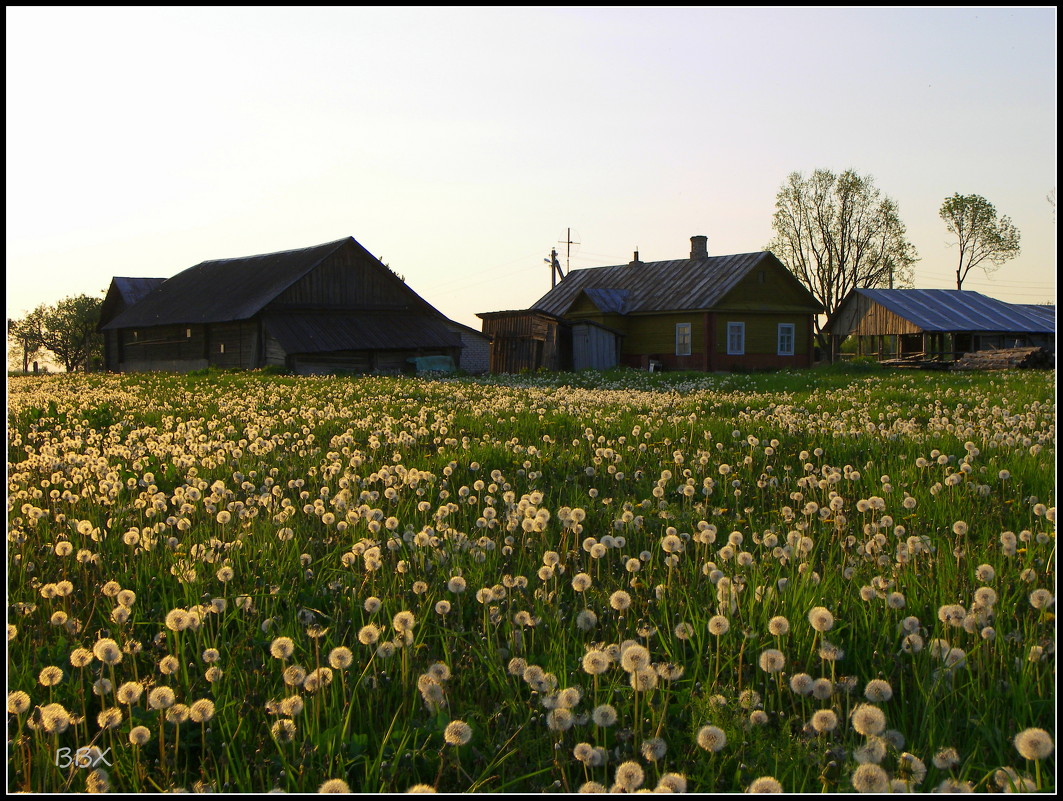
<point x="745" y="311"/>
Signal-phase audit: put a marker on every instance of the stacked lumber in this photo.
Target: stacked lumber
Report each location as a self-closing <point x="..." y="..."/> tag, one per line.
<point x="1006" y="359"/>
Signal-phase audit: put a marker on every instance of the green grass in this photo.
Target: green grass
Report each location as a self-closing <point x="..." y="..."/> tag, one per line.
<point x="322" y="494"/>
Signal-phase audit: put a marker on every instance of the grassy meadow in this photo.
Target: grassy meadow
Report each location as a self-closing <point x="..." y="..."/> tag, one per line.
<point x="834" y="580"/>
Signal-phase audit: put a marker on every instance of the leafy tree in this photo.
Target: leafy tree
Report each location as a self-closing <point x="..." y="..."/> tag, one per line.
<point x="837" y="233"/>
<point x="24" y="340"/>
<point x="985" y="240"/>
<point x="67" y="329"/>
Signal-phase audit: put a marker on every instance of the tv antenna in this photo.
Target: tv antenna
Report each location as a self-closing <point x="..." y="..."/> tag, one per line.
<point x="568" y="242"/>
<point x="556" y="273"/>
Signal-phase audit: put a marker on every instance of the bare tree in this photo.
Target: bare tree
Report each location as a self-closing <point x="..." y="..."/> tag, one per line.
<point x="837" y="233"/>
<point x="985" y="240"/>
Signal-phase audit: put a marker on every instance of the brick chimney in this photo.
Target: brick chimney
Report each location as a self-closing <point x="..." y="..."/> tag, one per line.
<point x="699" y="247"/>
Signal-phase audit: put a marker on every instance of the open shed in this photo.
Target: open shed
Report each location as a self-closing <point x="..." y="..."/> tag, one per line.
<point x="936" y="324"/>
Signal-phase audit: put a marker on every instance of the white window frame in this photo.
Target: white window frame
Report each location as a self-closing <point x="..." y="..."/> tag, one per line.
<point x="683" y="338"/>
<point x="787" y="334"/>
<point x="736" y="339"/>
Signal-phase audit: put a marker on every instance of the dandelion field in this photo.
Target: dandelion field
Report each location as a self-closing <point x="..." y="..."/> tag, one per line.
<point x="823" y="580"/>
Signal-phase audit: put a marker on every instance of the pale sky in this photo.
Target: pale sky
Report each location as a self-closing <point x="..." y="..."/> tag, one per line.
<point x="459" y="145"/>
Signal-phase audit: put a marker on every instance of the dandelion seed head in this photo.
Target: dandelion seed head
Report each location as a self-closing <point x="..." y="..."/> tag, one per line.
<point x="711" y="738"/>
<point x="801" y="683"/>
<point x="1034" y="744"/>
<point x="634" y="657"/>
<point x="17" y="702"/>
<point x="878" y="690"/>
<point x="282" y="648"/>
<point x="283" y="730"/>
<point x="202" y="710"/>
<point x="772" y="660"/>
<point x="604" y="715"/>
<point x="334" y="786"/>
<point x="620" y="600"/>
<point x="629" y="775"/>
<point x="870" y="778"/>
<point x="458" y="732"/>
<point x="821" y="619"/>
<point x="824" y="721"/>
<point x="765" y="784"/>
<point x="107" y="651"/>
<point x="50" y="676"/>
<point x="946" y="758"/>
<point x="139" y="735"/>
<point x="161" y="698"/>
<point x="868" y="719"/>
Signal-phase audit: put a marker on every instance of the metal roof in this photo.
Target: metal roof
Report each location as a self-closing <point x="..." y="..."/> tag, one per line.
<point x="961" y="310"/>
<point x="1047" y="314"/>
<point x="325" y="331"/>
<point x="677" y="285"/>
<point x="133" y="290"/>
<point x="224" y="290"/>
<point x="123" y="293"/>
<point x="608" y="300"/>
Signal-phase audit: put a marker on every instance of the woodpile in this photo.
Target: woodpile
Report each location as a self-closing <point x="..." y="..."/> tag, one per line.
<point x="1006" y="359"/>
<point x="919" y="361"/>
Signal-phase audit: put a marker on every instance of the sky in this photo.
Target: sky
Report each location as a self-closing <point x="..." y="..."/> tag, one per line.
<point x="459" y="145"/>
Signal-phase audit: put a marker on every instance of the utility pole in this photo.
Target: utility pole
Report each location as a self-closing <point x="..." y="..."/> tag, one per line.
<point x="555" y="268"/>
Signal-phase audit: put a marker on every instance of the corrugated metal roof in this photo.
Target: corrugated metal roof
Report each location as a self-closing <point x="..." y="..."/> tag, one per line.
<point x="1046" y="314"/>
<point x="960" y="310"/>
<point x="677" y="285"/>
<point x="323" y="332"/>
<point x="224" y="290"/>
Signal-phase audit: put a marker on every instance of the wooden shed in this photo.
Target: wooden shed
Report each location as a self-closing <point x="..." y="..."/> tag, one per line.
<point x="936" y="324"/>
<point x="744" y="311"/>
<point x="327" y="308"/>
<point x="527" y="340"/>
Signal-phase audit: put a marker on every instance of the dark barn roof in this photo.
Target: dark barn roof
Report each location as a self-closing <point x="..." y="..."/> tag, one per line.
<point x="225" y="290"/>
<point x="324" y="331"/>
<point x="958" y="310"/>
<point x="676" y="285"/>
<point x="133" y="290"/>
<point x="123" y="293"/>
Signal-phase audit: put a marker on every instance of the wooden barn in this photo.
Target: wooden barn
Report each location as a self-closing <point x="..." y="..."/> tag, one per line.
<point x="328" y="308"/>
<point x="708" y="313"/>
<point x="936" y="324"/>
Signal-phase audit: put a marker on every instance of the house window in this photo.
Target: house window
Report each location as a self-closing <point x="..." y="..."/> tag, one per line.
<point x="221" y="347"/>
<point x="786" y="339"/>
<point x="682" y="339"/>
<point x="736" y="339"/>
<point x="188" y="333"/>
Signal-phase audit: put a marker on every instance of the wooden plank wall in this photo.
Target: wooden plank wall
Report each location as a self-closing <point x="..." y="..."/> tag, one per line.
<point x="188" y="347"/>
<point x="347" y="279"/>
